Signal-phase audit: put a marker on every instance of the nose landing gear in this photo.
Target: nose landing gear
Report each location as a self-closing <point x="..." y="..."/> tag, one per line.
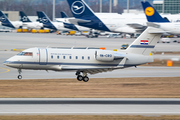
<point x="83" y="77"/>
<point x="19" y="76"/>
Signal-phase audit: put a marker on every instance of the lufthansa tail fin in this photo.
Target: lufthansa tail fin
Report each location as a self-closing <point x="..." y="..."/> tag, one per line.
<point x="5" y="21"/>
<point x="151" y="14"/>
<point x="24" y="17"/>
<point x="146" y="42"/>
<point x="43" y="18"/>
<point x="64" y="15"/>
<point x="83" y="12"/>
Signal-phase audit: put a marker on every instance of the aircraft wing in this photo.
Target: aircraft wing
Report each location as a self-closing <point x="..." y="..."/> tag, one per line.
<point x="137" y="26"/>
<point x="95" y="70"/>
<point x="90" y="70"/>
<point x="76" y="21"/>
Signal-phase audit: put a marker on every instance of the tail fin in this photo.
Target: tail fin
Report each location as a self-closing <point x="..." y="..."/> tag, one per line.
<point x="82" y="11"/>
<point x="146" y="42"/>
<point x="43" y="18"/>
<point x="24" y="17"/>
<point x="151" y="14"/>
<point x="64" y="15"/>
<point x="70" y="26"/>
<point x="5" y="21"/>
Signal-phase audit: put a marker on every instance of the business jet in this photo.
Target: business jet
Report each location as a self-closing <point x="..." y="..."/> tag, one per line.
<point x="28" y="24"/>
<point x="156" y="20"/>
<point x="58" y="25"/>
<point x="87" y="60"/>
<point x="12" y="24"/>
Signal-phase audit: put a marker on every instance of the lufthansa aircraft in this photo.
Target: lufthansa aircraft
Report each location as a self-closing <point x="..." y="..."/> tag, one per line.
<point x="87" y="60"/>
<point x="12" y="24"/>
<point x="155" y="20"/>
<point x="111" y="22"/>
<point x="43" y="18"/>
<point x="27" y="23"/>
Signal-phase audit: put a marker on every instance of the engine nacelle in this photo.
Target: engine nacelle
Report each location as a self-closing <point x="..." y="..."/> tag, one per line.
<point x="108" y="56"/>
<point x="105" y="56"/>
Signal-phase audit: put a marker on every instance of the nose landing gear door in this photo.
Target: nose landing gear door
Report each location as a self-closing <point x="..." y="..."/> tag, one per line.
<point x="42" y="56"/>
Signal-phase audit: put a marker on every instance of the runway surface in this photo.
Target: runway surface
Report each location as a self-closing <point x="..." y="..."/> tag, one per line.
<point x="92" y="106"/>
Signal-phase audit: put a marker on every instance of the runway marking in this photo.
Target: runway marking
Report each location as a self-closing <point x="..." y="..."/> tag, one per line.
<point x="7" y="70"/>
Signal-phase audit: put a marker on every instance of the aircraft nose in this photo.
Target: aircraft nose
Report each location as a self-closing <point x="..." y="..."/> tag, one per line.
<point x="5" y="63"/>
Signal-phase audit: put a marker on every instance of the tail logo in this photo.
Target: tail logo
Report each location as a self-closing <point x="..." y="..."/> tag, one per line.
<point x="149" y="11"/>
<point x="77" y="7"/>
<point x="2" y="19"/>
<point x="44" y="20"/>
<point x="24" y="18"/>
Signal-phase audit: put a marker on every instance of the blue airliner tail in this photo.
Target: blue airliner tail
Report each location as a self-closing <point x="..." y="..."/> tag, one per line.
<point x="5" y="21"/>
<point x="151" y="14"/>
<point x="85" y="16"/>
<point x="64" y="15"/>
<point x="43" y="18"/>
<point x="24" y="17"/>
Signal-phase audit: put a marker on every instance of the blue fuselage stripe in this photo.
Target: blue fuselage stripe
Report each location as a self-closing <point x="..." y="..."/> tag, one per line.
<point x="142" y="46"/>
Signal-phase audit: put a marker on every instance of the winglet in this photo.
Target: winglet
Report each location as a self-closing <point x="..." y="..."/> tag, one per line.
<point x="151" y="14"/>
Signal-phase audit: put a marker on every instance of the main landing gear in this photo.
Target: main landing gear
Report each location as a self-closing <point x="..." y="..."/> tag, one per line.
<point x="19" y="76"/>
<point x="83" y="77"/>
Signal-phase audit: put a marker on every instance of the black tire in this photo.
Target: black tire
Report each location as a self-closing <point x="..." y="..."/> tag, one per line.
<point x="85" y="79"/>
<point x="19" y="77"/>
<point x="79" y="77"/>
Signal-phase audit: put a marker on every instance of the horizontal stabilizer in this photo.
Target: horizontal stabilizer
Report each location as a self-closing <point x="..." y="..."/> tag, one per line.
<point x="76" y="21"/>
<point x="151" y="24"/>
<point x="137" y="26"/>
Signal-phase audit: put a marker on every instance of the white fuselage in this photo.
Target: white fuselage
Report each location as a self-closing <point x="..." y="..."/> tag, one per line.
<point x="73" y="59"/>
<point x="32" y="25"/>
<point x="171" y="28"/>
<point x="17" y="24"/>
<point x="120" y="23"/>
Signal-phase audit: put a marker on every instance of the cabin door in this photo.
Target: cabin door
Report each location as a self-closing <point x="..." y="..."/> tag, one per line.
<point x="42" y="56"/>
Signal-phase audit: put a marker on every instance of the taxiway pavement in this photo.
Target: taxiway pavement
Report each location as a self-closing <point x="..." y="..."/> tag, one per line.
<point x="90" y="106"/>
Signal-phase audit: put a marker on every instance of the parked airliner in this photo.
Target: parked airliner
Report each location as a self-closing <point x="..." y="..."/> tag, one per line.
<point x="28" y="24"/>
<point x="12" y="24"/>
<point x="58" y="25"/>
<point x="87" y="60"/>
<point x="155" y="20"/>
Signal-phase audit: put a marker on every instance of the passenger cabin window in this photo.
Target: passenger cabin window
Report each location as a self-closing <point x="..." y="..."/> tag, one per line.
<point x="51" y="56"/>
<point x="76" y="57"/>
<point x="83" y="57"/>
<point x="88" y="58"/>
<point x="57" y="57"/>
<point x="70" y="57"/>
<point x="25" y="54"/>
<point x="64" y="57"/>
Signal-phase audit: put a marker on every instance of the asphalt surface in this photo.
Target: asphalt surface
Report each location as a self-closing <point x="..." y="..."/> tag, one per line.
<point x="90" y="106"/>
<point x="26" y="40"/>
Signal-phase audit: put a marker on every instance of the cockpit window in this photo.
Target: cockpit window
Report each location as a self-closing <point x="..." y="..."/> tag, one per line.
<point x="26" y="53"/>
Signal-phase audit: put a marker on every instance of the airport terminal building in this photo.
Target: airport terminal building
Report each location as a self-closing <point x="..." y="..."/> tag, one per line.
<point x="169" y="6"/>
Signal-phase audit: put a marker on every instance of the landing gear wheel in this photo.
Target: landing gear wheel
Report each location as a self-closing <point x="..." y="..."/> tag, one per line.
<point x="85" y="79"/>
<point x="79" y="77"/>
<point x="19" y="77"/>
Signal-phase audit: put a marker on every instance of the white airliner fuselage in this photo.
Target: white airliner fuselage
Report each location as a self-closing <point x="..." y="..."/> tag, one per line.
<point x="32" y="25"/>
